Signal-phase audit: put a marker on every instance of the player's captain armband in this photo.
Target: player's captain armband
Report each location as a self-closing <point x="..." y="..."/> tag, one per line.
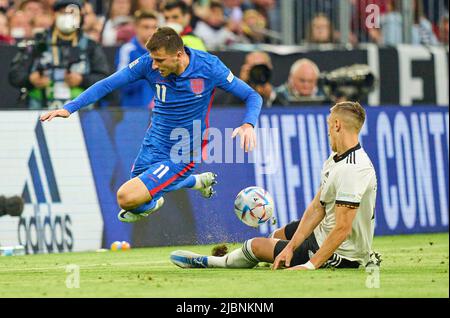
<point x="230" y="77"/>
<point x="133" y="64"/>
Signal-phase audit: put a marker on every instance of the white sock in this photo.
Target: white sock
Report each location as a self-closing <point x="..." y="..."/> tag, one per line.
<point x="198" y="184"/>
<point x="240" y="258"/>
<point x="217" y="261"/>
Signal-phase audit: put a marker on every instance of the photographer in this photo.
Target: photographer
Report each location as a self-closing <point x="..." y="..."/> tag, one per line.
<point x="256" y="72"/>
<point x="259" y="80"/>
<point x="59" y="64"/>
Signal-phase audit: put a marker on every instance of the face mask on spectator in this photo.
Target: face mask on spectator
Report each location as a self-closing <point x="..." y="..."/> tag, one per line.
<point x="67" y="23"/>
<point x="18" y="33"/>
<point x="176" y="26"/>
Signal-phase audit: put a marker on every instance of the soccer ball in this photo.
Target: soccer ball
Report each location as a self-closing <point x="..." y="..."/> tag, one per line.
<point x="253" y="206"/>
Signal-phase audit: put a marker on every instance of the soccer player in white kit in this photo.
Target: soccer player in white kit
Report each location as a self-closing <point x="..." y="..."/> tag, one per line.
<point x="337" y="227"/>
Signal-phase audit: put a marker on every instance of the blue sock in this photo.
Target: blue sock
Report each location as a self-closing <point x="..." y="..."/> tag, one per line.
<point x="189" y="182"/>
<point x="146" y="206"/>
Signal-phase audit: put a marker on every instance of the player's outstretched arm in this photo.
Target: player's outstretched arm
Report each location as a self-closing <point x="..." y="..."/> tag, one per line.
<point x="253" y="102"/>
<point x="343" y="228"/>
<point x="313" y="215"/>
<point x="127" y="75"/>
<point x="225" y="79"/>
<point x="54" y="113"/>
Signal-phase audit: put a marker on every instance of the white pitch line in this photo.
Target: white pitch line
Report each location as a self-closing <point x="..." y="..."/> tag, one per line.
<point x="81" y="266"/>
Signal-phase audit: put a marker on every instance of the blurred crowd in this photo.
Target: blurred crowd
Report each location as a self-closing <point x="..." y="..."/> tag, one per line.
<point x="57" y="61"/>
<point x="217" y="24"/>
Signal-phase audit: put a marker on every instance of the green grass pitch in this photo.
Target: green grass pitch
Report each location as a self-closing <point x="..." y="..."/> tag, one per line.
<point x="413" y="266"/>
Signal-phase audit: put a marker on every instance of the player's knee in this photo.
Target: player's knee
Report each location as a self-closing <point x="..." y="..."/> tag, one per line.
<point x="257" y="246"/>
<point x="125" y="199"/>
<point x="278" y="234"/>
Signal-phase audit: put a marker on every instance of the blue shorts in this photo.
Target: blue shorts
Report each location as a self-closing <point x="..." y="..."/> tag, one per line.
<point x="160" y="177"/>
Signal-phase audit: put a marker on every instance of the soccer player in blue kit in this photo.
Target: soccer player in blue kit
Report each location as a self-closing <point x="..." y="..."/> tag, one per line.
<point x="184" y="81"/>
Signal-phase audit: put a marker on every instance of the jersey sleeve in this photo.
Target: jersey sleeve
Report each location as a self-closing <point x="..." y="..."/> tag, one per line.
<point x="350" y="185"/>
<point x="222" y="75"/>
<point x="226" y="80"/>
<point x="136" y="70"/>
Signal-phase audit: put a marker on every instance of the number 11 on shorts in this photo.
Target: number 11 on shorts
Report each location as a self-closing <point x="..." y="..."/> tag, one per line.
<point x="161" y="171"/>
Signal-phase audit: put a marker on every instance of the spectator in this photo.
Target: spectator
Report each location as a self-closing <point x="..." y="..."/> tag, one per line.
<point x="41" y="22"/>
<point x="92" y="26"/>
<point x="146" y="6"/>
<point x="177" y="16"/>
<point x="5" y="38"/>
<point x="391" y="24"/>
<point x="422" y="29"/>
<point x="320" y="30"/>
<point x="252" y="59"/>
<point x="118" y="28"/>
<point x="197" y="11"/>
<point x="270" y="11"/>
<point x="443" y="29"/>
<point x="32" y="8"/>
<point x="302" y="82"/>
<point x="361" y="32"/>
<point x="138" y="94"/>
<point x="64" y="68"/>
<point x="48" y="4"/>
<point x="260" y="76"/>
<point x="213" y="30"/>
<point x="254" y="27"/>
<point x="257" y="72"/>
<point x="234" y="14"/>
<point x="4" y="6"/>
<point x="20" y="26"/>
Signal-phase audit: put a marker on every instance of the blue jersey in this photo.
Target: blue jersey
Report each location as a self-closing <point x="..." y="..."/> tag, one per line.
<point x="138" y="94"/>
<point x="181" y="102"/>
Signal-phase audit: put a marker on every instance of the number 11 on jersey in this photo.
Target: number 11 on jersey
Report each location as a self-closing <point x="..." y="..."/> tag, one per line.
<point x="161" y="91"/>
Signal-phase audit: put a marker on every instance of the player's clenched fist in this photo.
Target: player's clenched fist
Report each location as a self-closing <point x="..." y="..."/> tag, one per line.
<point x="55" y="113"/>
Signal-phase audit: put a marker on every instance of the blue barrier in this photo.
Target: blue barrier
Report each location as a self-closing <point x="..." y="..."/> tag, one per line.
<point x="409" y="147"/>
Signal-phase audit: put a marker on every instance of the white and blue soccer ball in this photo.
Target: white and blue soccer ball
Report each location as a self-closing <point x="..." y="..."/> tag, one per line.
<point x="253" y="206"/>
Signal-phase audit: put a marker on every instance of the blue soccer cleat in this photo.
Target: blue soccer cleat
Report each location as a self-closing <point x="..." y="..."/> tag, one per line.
<point x="186" y="259"/>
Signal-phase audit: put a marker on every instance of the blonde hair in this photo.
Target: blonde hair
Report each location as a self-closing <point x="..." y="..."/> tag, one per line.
<point x="352" y="113"/>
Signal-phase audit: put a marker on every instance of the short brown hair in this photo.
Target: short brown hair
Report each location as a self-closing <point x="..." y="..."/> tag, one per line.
<point x="166" y="38"/>
<point x="141" y="15"/>
<point x="354" y="112"/>
<point x="172" y="4"/>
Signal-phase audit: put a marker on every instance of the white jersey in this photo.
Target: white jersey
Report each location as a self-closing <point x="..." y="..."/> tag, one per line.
<point x="349" y="179"/>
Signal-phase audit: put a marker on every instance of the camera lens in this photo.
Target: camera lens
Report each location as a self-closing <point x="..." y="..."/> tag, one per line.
<point x="259" y="74"/>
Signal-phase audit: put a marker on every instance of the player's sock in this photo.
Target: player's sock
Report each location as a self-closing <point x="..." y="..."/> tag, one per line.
<point x="197" y="184"/>
<point x="240" y="258"/>
<point x="144" y="207"/>
<point x="189" y="182"/>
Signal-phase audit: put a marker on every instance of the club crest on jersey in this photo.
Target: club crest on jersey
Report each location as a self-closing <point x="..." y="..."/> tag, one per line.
<point x="197" y="85"/>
